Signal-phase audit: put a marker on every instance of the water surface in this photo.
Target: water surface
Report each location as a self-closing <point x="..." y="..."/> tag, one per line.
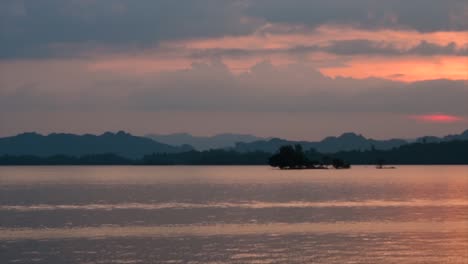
<point x="233" y="214"/>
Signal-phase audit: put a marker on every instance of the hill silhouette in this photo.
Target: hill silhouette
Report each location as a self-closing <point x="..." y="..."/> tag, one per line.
<point x="450" y="152"/>
<point x="204" y="143"/>
<point x="447" y="152"/>
<point x="135" y="147"/>
<point x="120" y="143"/>
<point x="347" y="141"/>
<point x="432" y="139"/>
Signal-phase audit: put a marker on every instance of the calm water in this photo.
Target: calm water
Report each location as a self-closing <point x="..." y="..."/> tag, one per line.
<point x="73" y="214"/>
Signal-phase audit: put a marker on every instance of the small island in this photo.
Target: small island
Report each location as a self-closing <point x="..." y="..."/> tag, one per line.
<point x="293" y="158"/>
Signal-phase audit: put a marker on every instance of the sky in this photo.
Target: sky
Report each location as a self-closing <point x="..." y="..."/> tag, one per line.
<point x="296" y="69"/>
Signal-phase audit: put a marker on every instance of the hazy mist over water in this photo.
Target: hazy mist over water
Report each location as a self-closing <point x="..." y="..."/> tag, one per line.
<point x="233" y="214"/>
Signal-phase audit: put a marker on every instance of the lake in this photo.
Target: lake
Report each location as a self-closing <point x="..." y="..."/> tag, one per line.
<point x="233" y="214"/>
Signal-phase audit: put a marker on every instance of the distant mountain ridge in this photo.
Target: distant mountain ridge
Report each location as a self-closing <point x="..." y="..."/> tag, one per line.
<point x="120" y="143"/>
<point x="345" y="142"/>
<point x="432" y="139"/>
<point x="448" y="153"/>
<point x="134" y="147"/>
<point x="204" y="143"/>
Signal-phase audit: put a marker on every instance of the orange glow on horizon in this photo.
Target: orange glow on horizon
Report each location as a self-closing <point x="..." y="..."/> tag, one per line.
<point x="437" y="118"/>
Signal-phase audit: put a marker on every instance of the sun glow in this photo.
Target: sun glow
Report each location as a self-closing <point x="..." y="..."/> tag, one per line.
<point x="437" y="118"/>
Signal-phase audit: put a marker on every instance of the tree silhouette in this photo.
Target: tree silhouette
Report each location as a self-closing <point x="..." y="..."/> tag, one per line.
<point x="340" y="164"/>
<point x="326" y="161"/>
<point x="288" y="157"/>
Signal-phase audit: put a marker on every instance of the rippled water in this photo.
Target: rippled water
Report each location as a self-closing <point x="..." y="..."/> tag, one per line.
<point x="73" y="214"/>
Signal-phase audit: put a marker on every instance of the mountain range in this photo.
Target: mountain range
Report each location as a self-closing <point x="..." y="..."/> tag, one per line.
<point x="432" y="139"/>
<point x="120" y="143"/>
<point x="134" y="147"/>
<point x="345" y="142"/>
<point x="204" y="143"/>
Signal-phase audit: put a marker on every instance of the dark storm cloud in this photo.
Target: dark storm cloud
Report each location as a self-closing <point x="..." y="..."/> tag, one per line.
<point x="342" y="47"/>
<point x="360" y="46"/>
<point x="31" y="28"/>
<point x="427" y="48"/>
<point x="421" y="15"/>
<point x="367" y="47"/>
<point x="46" y="28"/>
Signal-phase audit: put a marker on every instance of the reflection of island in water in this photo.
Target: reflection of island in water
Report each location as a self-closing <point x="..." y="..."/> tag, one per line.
<point x="380" y="165"/>
<point x="385" y="167"/>
<point x="294" y="158"/>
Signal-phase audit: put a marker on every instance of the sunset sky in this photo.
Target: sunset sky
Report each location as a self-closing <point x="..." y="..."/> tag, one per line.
<point x="297" y="69"/>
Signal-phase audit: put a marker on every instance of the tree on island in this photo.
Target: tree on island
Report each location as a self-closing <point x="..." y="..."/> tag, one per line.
<point x="289" y="157"/>
<point x="340" y="164"/>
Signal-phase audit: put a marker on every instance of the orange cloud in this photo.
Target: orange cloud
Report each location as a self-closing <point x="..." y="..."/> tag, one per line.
<point x="437" y="118"/>
<point x="268" y="44"/>
<point x="266" y="40"/>
<point x="407" y="69"/>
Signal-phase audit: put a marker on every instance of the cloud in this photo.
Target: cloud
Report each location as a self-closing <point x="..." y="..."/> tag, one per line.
<point x="56" y="28"/>
<point x="36" y="28"/>
<point x="209" y="98"/>
<point x="214" y="87"/>
<point x="294" y="88"/>
<point x="430" y="49"/>
<point x="420" y="15"/>
<point x="367" y="47"/>
<point x="351" y="47"/>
